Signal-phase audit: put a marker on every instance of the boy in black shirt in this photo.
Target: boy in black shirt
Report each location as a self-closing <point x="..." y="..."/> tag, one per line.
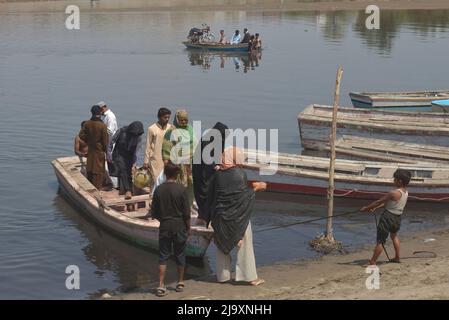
<point x="170" y="206"/>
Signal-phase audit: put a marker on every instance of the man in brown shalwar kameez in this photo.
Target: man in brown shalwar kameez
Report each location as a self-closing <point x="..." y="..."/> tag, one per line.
<point x="95" y="133"/>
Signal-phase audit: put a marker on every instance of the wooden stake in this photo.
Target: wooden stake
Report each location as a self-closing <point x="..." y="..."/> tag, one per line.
<point x="332" y="138"/>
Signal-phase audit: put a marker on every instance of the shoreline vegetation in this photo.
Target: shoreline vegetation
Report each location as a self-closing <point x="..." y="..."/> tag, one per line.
<point x="15" y="6"/>
<point x="335" y="276"/>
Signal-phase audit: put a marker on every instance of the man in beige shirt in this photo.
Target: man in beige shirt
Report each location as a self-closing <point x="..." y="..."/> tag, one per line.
<point x="155" y="136"/>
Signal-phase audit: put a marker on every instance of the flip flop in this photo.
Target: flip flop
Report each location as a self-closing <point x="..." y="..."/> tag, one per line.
<point x="257" y="282"/>
<point x="180" y="287"/>
<point x="395" y="261"/>
<point x="160" y="292"/>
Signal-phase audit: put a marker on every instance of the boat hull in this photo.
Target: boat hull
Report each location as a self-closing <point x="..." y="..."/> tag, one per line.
<point x="282" y="183"/>
<point x="216" y="47"/>
<point x="138" y="233"/>
<point x="419" y="128"/>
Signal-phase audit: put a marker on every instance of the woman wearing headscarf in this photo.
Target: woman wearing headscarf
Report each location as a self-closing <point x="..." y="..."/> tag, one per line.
<point x="178" y="147"/>
<point x="231" y="203"/>
<point x="124" y="154"/>
<point x="203" y="171"/>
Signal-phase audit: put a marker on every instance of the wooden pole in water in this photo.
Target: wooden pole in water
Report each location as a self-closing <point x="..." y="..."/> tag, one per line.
<point x="332" y="137"/>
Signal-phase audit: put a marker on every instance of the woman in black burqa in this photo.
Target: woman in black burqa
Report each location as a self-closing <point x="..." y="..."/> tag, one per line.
<point x="122" y="151"/>
<point x="203" y="171"/>
<point x="231" y="201"/>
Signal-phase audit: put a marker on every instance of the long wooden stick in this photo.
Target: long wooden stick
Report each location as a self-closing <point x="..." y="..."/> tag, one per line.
<point x="332" y="138"/>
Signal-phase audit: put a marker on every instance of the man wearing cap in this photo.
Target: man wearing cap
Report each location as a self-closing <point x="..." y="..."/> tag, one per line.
<point x="95" y="133"/>
<point x="110" y="121"/>
<point x="108" y="118"/>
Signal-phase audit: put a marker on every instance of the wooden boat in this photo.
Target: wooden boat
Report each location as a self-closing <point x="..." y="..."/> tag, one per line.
<point x="353" y="179"/>
<point x="414" y="127"/>
<point x="108" y="209"/>
<point x="440" y="105"/>
<point x="214" y="46"/>
<point x="384" y="150"/>
<point x="416" y="99"/>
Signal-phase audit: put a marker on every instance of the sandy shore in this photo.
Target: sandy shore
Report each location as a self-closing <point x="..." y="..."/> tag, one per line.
<point x="12" y="6"/>
<point x="337" y="277"/>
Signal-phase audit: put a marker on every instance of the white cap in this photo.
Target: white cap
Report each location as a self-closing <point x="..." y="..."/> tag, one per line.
<point x="101" y="104"/>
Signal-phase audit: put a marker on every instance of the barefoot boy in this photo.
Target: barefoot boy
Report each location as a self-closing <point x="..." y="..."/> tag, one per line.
<point x="390" y="220"/>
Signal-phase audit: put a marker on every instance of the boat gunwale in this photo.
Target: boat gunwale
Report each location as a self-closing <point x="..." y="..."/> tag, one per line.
<point x="114" y="215"/>
<point x="412" y="96"/>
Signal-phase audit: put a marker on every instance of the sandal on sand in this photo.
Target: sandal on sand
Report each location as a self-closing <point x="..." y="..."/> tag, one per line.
<point x="160" y="292"/>
<point x="257" y="282"/>
<point x="180" y="287"/>
<point x="394" y="260"/>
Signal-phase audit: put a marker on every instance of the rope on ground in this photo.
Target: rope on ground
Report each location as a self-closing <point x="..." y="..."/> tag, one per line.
<point x="433" y="254"/>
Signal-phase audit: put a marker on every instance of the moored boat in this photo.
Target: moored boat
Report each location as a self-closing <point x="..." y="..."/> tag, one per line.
<point x="414" y="127"/>
<point x="384" y="150"/>
<point x="214" y="46"/>
<point x="353" y="179"/>
<point x="440" y="105"/>
<point x="414" y="100"/>
<point x="108" y="209"/>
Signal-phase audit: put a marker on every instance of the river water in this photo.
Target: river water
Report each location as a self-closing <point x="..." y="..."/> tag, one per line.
<point x="134" y="60"/>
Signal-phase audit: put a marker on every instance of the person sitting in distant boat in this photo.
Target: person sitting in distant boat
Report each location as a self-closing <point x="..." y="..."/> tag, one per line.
<point x="122" y="151"/>
<point x="81" y="148"/>
<point x="222" y="38"/>
<point x="251" y="43"/>
<point x="257" y="42"/>
<point x="246" y="36"/>
<point x="236" y="37"/>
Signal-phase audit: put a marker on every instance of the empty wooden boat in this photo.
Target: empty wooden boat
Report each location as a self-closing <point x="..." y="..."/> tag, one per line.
<point x="412" y="99"/>
<point x="353" y="179"/>
<point x="384" y="150"/>
<point x="109" y="210"/>
<point x="422" y="128"/>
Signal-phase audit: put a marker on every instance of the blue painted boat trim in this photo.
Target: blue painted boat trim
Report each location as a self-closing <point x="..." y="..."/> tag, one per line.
<point x="365" y="105"/>
<point x="441" y="103"/>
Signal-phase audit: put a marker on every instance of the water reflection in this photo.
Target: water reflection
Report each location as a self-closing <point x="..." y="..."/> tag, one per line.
<point x="240" y="61"/>
<point x="134" y="268"/>
<point x="422" y="22"/>
<point x="334" y="25"/>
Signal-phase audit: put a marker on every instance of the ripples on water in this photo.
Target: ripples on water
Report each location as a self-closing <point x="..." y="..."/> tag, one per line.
<point x="50" y="77"/>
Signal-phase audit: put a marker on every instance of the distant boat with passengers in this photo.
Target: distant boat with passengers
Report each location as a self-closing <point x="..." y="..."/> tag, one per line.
<point x="213" y="46"/>
<point x="204" y="39"/>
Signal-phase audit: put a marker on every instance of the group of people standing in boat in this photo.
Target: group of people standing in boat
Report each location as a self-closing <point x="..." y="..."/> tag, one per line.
<point x="101" y="141"/>
<point x="219" y="190"/>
